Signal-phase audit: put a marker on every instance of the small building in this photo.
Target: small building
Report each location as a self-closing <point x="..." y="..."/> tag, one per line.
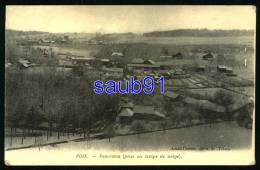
<point x="117" y="54"/>
<point x="146" y="113"/>
<point x="80" y="60"/>
<point x="207" y="56"/>
<point x="24" y="63"/>
<point x="149" y="61"/>
<point x="64" y="70"/>
<point x="45" y="42"/>
<point x="137" y="61"/>
<point x="165" y="57"/>
<point x="224" y="69"/>
<point x="129" y="105"/>
<point x="177" y="56"/>
<point x="143" y="67"/>
<point x="125" y="115"/>
<point x="114" y="72"/>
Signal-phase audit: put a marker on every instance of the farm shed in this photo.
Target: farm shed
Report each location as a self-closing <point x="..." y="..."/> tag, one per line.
<point x="146" y="113"/>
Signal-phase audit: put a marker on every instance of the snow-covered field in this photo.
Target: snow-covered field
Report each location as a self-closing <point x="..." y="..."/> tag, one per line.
<point x="226" y="135"/>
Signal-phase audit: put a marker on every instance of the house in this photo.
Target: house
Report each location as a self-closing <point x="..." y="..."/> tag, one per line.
<point x="129" y="105"/>
<point x="177" y="56"/>
<point x="165" y="57"/>
<point x="8" y="65"/>
<point x="143" y="67"/>
<point x="207" y="56"/>
<point x="45" y="42"/>
<point x="117" y="54"/>
<point x="114" y="72"/>
<point x="137" y="61"/>
<point x="104" y="62"/>
<point x="125" y="115"/>
<point x="81" y="60"/>
<point x="224" y="69"/>
<point x="149" y="61"/>
<point x="24" y="63"/>
<point x="64" y="70"/>
<point x="146" y="113"/>
<point x="172" y="96"/>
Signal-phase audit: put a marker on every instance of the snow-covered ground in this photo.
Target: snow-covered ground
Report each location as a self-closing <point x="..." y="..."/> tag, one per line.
<point x="224" y="135"/>
<point x="39" y="140"/>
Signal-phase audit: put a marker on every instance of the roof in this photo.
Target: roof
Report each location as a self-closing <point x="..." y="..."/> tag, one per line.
<point x="150" y="61"/>
<point x="208" y="55"/>
<point x="165" y="56"/>
<point x="126" y="113"/>
<point x="24" y="62"/>
<point x="144" y="65"/>
<point x="239" y="102"/>
<point x="127" y="105"/>
<point x="148" y="110"/>
<point x="104" y="60"/>
<point x="62" y="69"/>
<point x="224" y="67"/>
<point x="143" y="109"/>
<point x="65" y="63"/>
<point x="113" y="69"/>
<point x="81" y="58"/>
<point x="205" y="104"/>
<point x="171" y="94"/>
<point x="137" y="61"/>
<point x="117" y="54"/>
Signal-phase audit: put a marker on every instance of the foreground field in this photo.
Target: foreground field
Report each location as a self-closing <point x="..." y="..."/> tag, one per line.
<point x="226" y="135"/>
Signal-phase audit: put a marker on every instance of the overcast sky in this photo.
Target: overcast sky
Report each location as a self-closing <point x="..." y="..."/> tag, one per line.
<point x="139" y="19"/>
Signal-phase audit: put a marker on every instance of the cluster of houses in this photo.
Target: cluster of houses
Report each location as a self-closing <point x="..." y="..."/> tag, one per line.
<point x="45" y="42"/>
<point x="129" y="112"/>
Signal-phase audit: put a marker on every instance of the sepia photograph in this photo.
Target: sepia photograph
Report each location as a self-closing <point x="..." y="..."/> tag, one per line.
<point x="129" y="85"/>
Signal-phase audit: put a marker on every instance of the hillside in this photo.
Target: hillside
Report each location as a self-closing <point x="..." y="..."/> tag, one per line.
<point x="199" y="33"/>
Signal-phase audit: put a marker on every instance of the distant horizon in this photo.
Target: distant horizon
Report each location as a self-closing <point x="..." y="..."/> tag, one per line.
<point x="128" y="18"/>
<point x="129" y="32"/>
